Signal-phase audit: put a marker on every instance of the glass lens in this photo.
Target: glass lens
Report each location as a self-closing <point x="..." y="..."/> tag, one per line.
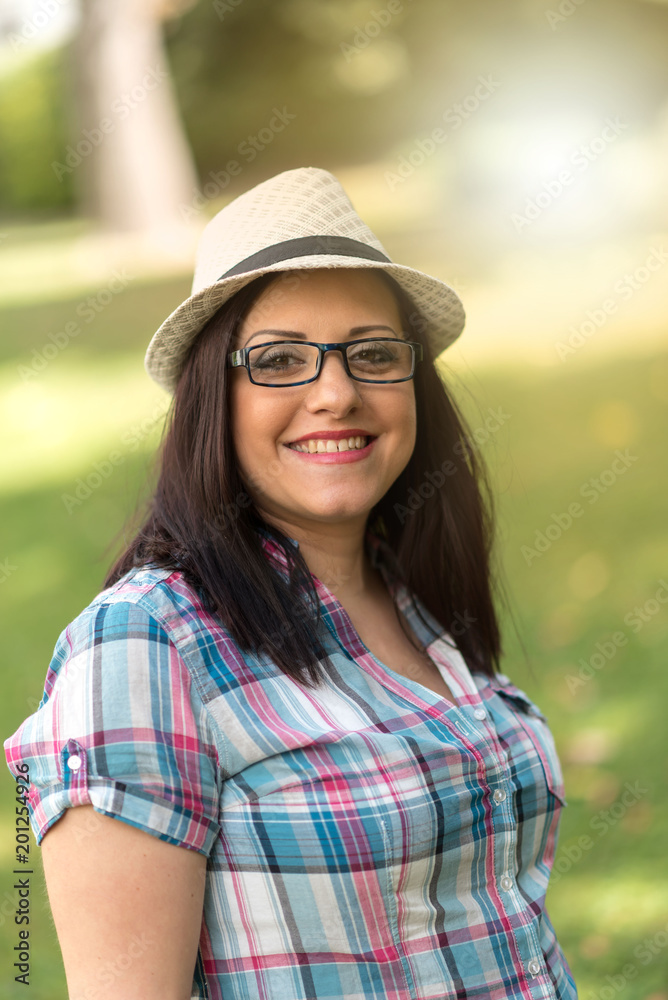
<point x="282" y="363"/>
<point x="370" y="360"/>
<point x="380" y="359"/>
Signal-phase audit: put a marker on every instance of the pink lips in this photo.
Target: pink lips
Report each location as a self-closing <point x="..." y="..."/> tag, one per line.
<point x="335" y="457"/>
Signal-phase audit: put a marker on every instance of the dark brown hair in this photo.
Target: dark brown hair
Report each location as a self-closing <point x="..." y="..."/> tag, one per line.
<point x="437" y="517"/>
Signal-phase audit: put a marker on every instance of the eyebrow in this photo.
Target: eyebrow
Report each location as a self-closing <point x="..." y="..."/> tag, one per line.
<point x="296" y="334"/>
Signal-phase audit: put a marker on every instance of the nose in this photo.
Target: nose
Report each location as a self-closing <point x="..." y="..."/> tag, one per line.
<point x="333" y="388"/>
<point x="337" y="358"/>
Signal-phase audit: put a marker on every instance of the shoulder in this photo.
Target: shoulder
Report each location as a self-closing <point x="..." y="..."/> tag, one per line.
<point x="154" y="617"/>
<point x="151" y="602"/>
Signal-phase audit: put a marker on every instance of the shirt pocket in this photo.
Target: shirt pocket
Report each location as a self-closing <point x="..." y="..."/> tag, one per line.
<point x="329" y="823"/>
<point x="314" y="855"/>
<point x="527" y="735"/>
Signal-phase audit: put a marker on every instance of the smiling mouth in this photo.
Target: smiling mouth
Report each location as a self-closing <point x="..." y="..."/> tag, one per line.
<point x="323" y="446"/>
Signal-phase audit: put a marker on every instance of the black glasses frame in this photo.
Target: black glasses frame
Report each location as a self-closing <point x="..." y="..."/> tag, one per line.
<point x="239" y="359"/>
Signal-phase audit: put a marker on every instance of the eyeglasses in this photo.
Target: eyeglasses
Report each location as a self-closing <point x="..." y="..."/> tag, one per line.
<point x="289" y="362"/>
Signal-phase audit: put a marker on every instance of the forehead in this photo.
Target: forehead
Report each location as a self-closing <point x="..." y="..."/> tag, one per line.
<point x="304" y="299"/>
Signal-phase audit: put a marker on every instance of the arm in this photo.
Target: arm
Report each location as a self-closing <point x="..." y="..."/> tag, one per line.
<point x="127" y="908"/>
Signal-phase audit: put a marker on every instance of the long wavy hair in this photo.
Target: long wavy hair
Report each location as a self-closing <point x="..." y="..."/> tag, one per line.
<point x="437" y="518"/>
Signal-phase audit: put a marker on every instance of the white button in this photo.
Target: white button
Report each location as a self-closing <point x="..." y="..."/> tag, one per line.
<point x="499" y="795"/>
<point x="480" y="713"/>
<point x="502" y="679"/>
<point x="534" y="967"/>
<point x="74" y="762"/>
<point x="506" y="882"/>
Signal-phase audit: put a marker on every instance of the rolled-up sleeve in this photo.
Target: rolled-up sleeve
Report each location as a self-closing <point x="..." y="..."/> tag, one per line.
<point x="121" y="727"/>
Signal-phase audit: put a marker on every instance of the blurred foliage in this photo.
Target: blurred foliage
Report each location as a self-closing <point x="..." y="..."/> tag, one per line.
<point x="34" y="128"/>
<point x="360" y="82"/>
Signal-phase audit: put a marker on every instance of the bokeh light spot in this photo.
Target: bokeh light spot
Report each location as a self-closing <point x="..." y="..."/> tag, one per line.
<point x="588" y="576"/>
<point x="373" y="69"/>
<point x="614" y="424"/>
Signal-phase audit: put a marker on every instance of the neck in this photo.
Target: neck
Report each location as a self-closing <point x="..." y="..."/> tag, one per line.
<point x="336" y="555"/>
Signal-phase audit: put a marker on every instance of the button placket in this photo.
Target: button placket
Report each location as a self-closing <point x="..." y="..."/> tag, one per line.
<point x="485" y="711"/>
<point x="511" y="901"/>
<point x="525" y="936"/>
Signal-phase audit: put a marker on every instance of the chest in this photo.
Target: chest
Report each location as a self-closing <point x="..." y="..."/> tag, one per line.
<point x="390" y="644"/>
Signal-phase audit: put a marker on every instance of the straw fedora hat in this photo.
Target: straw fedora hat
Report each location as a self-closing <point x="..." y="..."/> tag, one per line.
<point x="298" y="220"/>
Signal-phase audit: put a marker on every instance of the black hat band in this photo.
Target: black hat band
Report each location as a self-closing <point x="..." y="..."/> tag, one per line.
<point x="305" y="246"/>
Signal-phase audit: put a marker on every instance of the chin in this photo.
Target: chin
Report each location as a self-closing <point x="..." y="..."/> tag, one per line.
<point x="336" y="513"/>
<point x="335" y="509"/>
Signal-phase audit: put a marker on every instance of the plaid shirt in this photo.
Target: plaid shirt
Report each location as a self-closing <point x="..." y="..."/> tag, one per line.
<point x="364" y="839"/>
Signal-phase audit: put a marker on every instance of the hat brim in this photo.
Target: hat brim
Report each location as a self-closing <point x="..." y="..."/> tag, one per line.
<point x="440" y="308"/>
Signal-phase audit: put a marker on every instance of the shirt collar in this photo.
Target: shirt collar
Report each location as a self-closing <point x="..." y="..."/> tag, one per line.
<point x="383" y="559"/>
<point x="275" y="552"/>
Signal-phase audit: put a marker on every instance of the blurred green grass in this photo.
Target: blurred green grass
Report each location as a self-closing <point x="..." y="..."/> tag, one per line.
<point x="561" y="427"/>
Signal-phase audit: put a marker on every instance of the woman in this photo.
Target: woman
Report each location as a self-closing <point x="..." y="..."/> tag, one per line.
<point x="287" y="691"/>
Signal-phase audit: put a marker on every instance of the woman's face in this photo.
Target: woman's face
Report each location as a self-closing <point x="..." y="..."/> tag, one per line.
<point x="292" y="487"/>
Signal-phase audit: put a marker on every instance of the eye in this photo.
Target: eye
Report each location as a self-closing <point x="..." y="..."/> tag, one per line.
<point x="373" y="352"/>
<point x="283" y="356"/>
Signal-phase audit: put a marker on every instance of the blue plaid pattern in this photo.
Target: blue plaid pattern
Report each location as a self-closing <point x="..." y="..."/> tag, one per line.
<point x="366" y="840"/>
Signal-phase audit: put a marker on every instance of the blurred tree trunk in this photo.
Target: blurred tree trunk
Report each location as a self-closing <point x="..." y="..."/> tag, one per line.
<point x="136" y="167"/>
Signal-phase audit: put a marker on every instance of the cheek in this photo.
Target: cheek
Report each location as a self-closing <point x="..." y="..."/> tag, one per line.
<point x="245" y="425"/>
<point x="256" y="423"/>
<point x="408" y="424"/>
<point x="406" y="414"/>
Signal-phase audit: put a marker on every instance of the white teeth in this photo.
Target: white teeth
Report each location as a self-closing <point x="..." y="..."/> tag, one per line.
<point x="329" y="446"/>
